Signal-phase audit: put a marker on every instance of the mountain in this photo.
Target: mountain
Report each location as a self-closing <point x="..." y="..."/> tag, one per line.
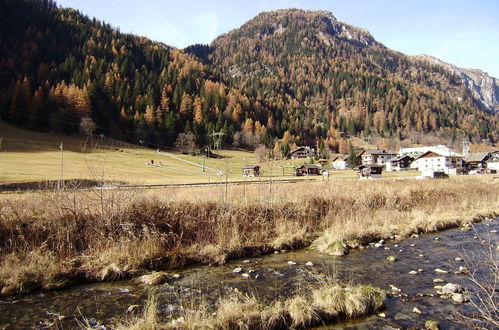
<point x="326" y="76"/>
<point x="285" y="77"/>
<point x="483" y="87"/>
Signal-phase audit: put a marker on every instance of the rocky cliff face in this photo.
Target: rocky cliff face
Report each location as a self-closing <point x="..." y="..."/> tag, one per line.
<point x="483" y="87"/>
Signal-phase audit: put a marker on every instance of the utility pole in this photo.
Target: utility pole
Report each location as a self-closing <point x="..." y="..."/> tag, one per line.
<point x="62" y="165"/>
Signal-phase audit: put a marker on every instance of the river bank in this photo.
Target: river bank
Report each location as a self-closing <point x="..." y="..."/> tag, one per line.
<point x="56" y="239"/>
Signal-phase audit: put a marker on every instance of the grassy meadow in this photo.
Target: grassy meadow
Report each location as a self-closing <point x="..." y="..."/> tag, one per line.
<point x="27" y="156"/>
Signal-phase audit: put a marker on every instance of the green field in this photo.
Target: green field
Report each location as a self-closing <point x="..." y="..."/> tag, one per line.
<point x="28" y="156"/>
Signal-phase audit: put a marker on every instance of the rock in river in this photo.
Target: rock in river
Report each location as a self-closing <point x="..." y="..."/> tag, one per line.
<point x="391" y="259"/>
<point x="237" y="270"/>
<point x="440" y="271"/>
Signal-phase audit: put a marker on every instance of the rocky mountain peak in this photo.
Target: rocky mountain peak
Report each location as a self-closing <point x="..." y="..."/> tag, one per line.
<point x="483" y="87"/>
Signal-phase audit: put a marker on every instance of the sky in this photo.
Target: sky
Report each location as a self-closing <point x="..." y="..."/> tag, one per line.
<point x="462" y="32"/>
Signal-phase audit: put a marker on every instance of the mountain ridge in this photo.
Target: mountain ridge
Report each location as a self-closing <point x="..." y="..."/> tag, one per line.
<point x="285" y="77"/>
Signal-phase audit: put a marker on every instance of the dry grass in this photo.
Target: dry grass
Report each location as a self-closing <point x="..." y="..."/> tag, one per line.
<point x="51" y="239"/>
<point x="320" y="304"/>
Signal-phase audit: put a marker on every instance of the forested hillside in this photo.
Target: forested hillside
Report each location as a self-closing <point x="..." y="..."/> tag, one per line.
<point x="293" y="75"/>
<point x="58" y="66"/>
<point x="325" y="77"/>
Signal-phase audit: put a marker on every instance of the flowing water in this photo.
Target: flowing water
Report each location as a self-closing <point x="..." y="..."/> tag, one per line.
<point x="273" y="277"/>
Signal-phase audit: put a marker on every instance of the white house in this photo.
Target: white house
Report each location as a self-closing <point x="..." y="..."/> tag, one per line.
<point x="431" y="162"/>
<point x="493" y="162"/>
<point x="340" y="162"/>
<point x="376" y="157"/>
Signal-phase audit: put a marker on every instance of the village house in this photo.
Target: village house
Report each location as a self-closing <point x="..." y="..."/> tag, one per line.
<point x="251" y="171"/>
<point x="493" y="163"/>
<point x="431" y="162"/>
<point x="309" y="169"/>
<point x="418" y="151"/>
<point x="376" y="156"/>
<point x="340" y="162"/>
<point x="370" y="171"/>
<point x="399" y="163"/>
<point x="302" y="152"/>
<point x="476" y="161"/>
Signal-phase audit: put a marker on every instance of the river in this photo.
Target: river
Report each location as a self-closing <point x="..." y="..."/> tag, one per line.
<point x="278" y="276"/>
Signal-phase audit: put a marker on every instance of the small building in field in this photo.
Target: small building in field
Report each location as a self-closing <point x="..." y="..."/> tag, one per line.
<point x="302" y="152"/>
<point x="431" y="162"/>
<point x="370" y="171"/>
<point x="476" y="161"/>
<point x="376" y="156"/>
<point x="251" y="171"/>
<point x="309" y="169"/>
<point x="400" y="163"/>
<point x="340" y="162"/>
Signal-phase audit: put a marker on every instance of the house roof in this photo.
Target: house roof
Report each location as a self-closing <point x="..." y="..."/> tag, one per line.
<point x="476" y="157"/>
<point x="340" y="157"/>
<point x="371" y="166"/>
<point x="399" y="158"/>
<point x="437" y="154"/>
<point x="302" y="148"/>
<point x="250" y="167"/>
<point x="380" y="152"/>
<point x="311" y="166"/>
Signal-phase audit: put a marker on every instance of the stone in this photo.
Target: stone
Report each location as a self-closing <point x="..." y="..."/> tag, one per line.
<point x="437" y="238"/>
<point x="237" y="270"/>
<point x="458" y="259"/>
<point x="382" y="241"/>
<point x="412" y="245"/>
<point x="154" y="278"/>
<point x="394" y="288"/>
<point x="251" y="271"/>
<point x="462" y="270"/>
<point x="438" y="280"/>
<point x="493" y="231"/>
<point x="413" y="272"/>
<point x="441" y="271"/>
<point x="416" y="310"/>
<point x="337" y="253"/>
<point x="420" y="270"/>
<point x="246" y="261"/>
<point x="450" y="288"/>
<point x="245" y="275"/>
<point x="257" y="276"/>
<point x="291" y="263"/>
<point x="176" y="276"/>
<point x="414" y="236"/>
<point x="276" y="252"/>
<point x="378" y="245"/>
<point x="391" y="259"/>
<point x="421" y="255"/>
<point x="459" y="298"/>
<point x="310" y="263"/>
<point x="387" y="248"/>
<point x="383" y="315"/>
<point x="396" y="245"/>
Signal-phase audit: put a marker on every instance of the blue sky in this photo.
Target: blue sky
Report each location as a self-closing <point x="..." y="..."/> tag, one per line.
<point x="464" y="33"/>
